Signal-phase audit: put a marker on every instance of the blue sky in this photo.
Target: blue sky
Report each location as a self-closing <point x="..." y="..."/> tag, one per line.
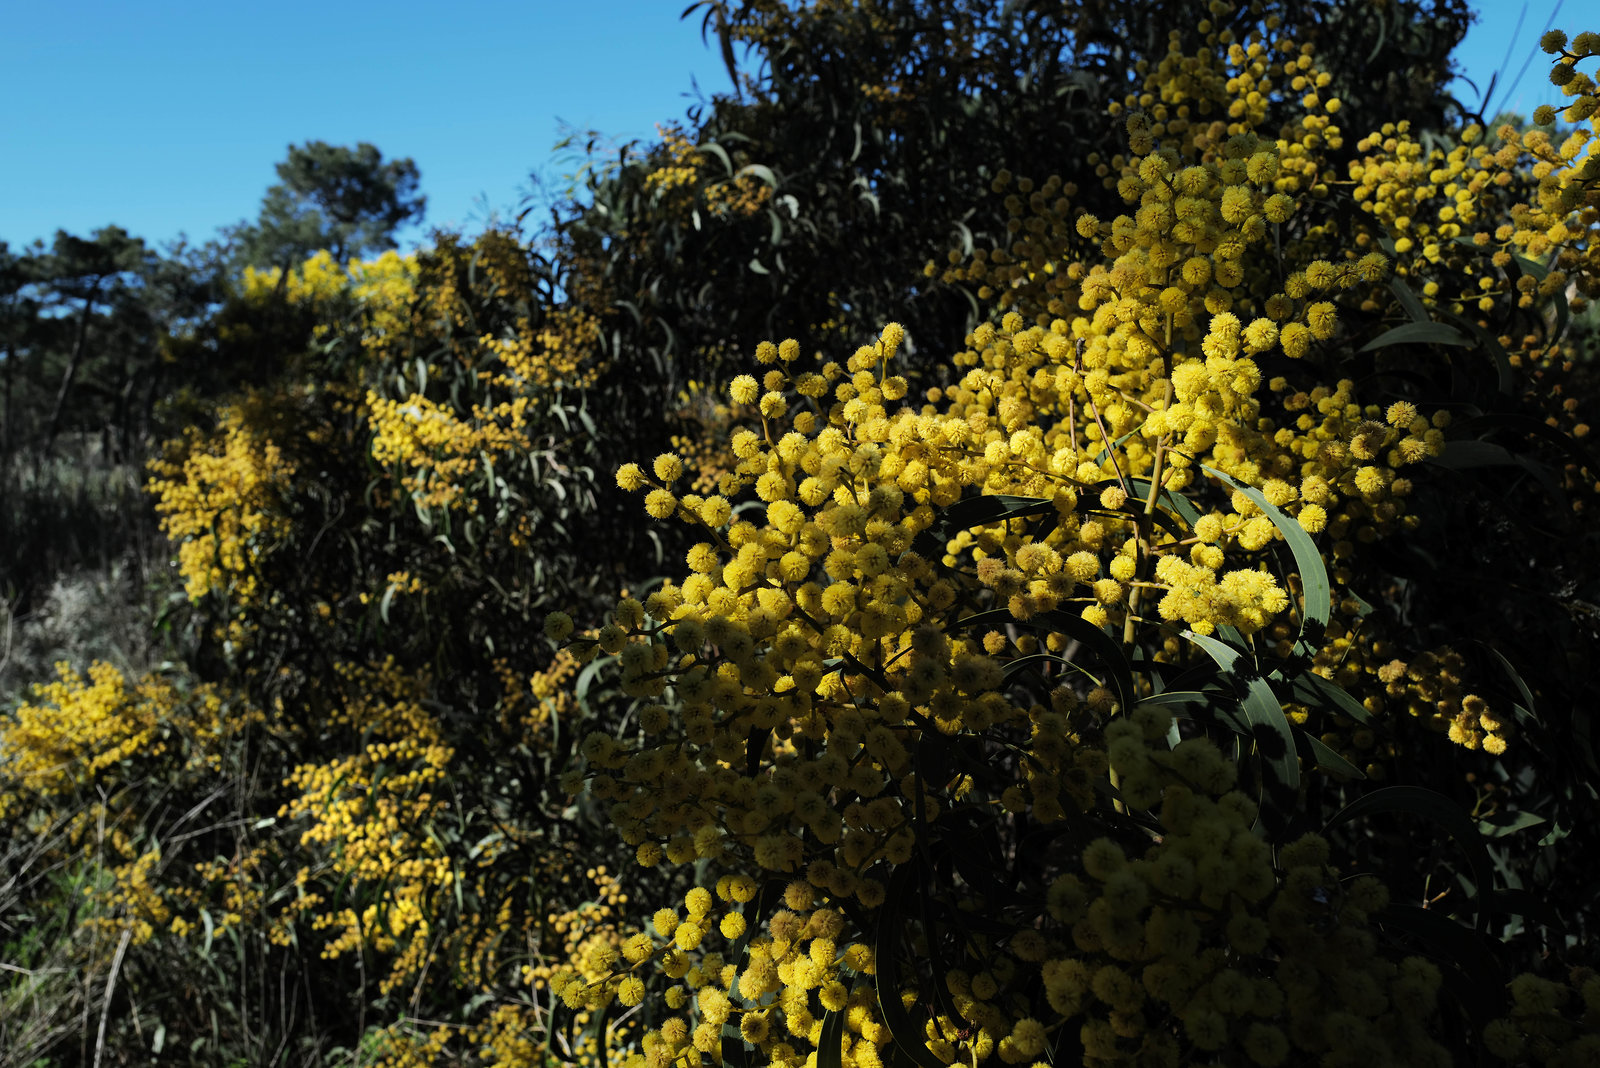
<point x="168" y="116"/>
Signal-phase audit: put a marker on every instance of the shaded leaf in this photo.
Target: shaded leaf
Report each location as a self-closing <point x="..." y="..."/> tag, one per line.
<point x="1269" y="727"/>
<point x="1432" y="805"/>
<point x="1424" y="333"/>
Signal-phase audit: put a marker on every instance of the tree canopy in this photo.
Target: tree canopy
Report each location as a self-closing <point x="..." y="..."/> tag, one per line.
<point x="349" y="201"/>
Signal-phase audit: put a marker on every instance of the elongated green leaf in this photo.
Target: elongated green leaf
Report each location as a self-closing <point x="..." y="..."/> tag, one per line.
<point x="1140" y="489"/>
<point x="830" y="1046"/>
<point x="1317" y="591"/>
<point x="1105" y="450"/>
<point x="1033" y="660"/>
<point x="1269" y="727"/>
<point x="1432" y="805"/>
<point x="586" y="677"/>
<point x="1528" y="426"/>
<point x="1423" y="333"/>
<point x="1503" y="823"/>
<point x="1490" y="346"/>
<point x="1178" y="697"/>
<point x="1309" y="688"/>
<point x="1175" y="501"/>
<point x="1408" y="300"/>
<point x="1110" y="653"/>
<point x="1327" y="759"/>
<point x="886" y="939"/>
<point x="711" y="148"/>
<point x="1476" y="972"/>
<point x="1465" y="455"/>
<point x="760" y="170"/>
<point x="976" y="511"/>
<point x="1099" y="643"/>
<point x="735" y="1050"/>
<point x="1524" y="711"/>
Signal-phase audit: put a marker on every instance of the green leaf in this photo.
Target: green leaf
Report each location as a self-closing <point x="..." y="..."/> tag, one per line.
<point x="760" y="170"/>
<point x="1476" y="971"/>
<point x="1431" y="805"/>
<point x="1465" y="455"/>
<point x="976" y="511"/>
<point x="1423" y="333"/>
<point x="1105" y="450"/>
<point x="830" y="1046"/>
<point x="1309" y="688"/>
<point x="886" y="938"/>
<point x="711" y="148"/>
<point x="1528" y="426"/>
<point x="1503" y="823"/>
<point x="1318" y="593"/>
<point x="1099" y="643"/>
<point x="1269" y="727"/>
<point x="1525" y="710"/>
<point x="1408" y="301"/>
<point x="1139" y="490"/>
<point x="735" y="1050"/>
<point x="1178" y="697"/>
<point x="1491" y="347"/>
<point x="1175" y="501"/>
<point x="1327" y="759"/>
<point x="586" y="677"/>
<point x="1022" y="663"/>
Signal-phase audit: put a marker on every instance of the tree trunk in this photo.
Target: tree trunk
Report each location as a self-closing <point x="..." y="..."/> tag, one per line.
<point x="10" y="428"/>
<point x="71" y="371"/>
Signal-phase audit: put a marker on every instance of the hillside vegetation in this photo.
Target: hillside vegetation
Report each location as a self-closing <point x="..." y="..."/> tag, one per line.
<point x="1034" y="534"/>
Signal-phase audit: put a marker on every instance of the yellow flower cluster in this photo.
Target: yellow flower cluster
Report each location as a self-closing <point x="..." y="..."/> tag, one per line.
<point x="1205" y="931"/>
<point x="708" y="420"/>
<point x="382" y="288"/>
<point x="68" y="756"/>
<point x="319" y="278"/>
<point x="794" y="683"/>
<point x="680" y="170"/>
<point x="367" y="814"/>
<point x="75" y="732"/>
<point x="1318" y="451"/>
<point x="76" y="727"/>
<point x="531" y="703"/>
<point x="219" y="498"/>
<point x="1431" y="687"/>
<point x="1550" y="1023"/>
<point x="439" y="444"/>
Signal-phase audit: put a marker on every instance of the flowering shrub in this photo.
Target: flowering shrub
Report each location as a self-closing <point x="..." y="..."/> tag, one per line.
<point x="1187" y="668"/>
<point x="946" y="708"/>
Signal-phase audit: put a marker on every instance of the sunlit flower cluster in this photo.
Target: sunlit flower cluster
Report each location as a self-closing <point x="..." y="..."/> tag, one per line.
<point x="219" y="498"/>
<point x="795" y="685"/>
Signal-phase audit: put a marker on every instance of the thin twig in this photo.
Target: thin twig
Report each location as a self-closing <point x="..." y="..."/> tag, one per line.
<point x="111" y="982"/>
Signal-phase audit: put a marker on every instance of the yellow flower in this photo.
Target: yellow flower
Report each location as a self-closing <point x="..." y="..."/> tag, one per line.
<point x="668" y="467"/>
<point x="630" y="477"/>
<point x="744" y="389"/>
<point x="660" y="503"/>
